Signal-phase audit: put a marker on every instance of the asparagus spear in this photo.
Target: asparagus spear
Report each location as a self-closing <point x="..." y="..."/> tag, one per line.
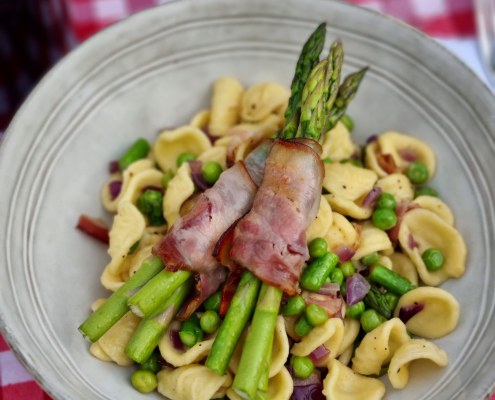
<point x="116" y="306"/>
<point x="151" y="329"/>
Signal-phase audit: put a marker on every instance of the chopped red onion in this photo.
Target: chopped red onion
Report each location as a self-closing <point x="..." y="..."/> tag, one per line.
<point x="313" y="379"/>
<point x="197" y="175"/>
<point x="411" y="242"/>
<point x="114" y="187"/>
<point x="372" y="197"/>
<point x="175" y="339"/>
<point x="113" y="166"/>
<point x="308" y="392"/>
<point x="330" y="289"/>
<point x="152" y="187"/>
<point x="409" y="311"/>
<point x="344" y="253"/>
<point x="408" y="154"/>
<point x="318" y="354"/>
<point x="357" y="287"/>
<point x="371" y="139"/>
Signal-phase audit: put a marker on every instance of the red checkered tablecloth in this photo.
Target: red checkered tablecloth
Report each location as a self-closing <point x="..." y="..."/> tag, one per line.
<point x="34" y="34"/>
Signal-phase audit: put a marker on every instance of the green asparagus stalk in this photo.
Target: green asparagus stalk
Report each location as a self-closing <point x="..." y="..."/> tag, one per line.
<point x="239" y="313"/>
<point x="308" y="58"/>
<point x="390" y="280"/>
<point x="156" y="291"/>
<point x="258" y="343"/>
<point x="116" y="306"/>
<point x="151" y="329"/>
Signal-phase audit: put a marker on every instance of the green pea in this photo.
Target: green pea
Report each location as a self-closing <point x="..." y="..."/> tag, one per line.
<point x="315" y="314"/>
<point x="425" y="191"/>
<point x="337" y="276"/>
<point x="355" y="311"/>
<point x="348" y="122"/>
<point x="151" y="364"/>
<point x="188" y="338"/>
<point x="327" y="160"/>
<point x="384" y="218"/>
<point x="433" y="259"/>
<point x="190" y="332"/>
<point x="210" y="321"/>
<point x="370" y="259"/>
<point x="295" y="306"/>
<point x="185" y="157"/>
<point x="139" y="149"/>
<point x="302" y="326"/>
<point x="343" y="289"/>
<point x="371" y="319"/>
<point x="301" y="366"/>
<point x="317" y="247"/>
<point x="417" y="172"/>
<point x="347" y="268"/>
<point x="211" y="171"/>
<point x="386" y="200"/>
<point x="213" y="302"/>
<point x="144" y="381"/>
<point x="167" y="177"/>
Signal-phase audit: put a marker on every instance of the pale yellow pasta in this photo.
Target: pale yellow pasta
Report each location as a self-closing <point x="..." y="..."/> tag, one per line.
<point x="378" y="346"/>
<point x="330" y="335"/>
<point x="337" y="144"/>
<point x="341" y="233"/>
<point x="262" y="99"/>
<point x="279" y="387"/>
<point x="171" y="144"/>
<point x="179" y="358"/>
<point x="395" y="144"/>
<point x="439" y="316"/>
<point x="398" y="185"/>
<point x="127" y="228"/>
<point x="425" y="230"/>
<point x="346" y="356"/>
<point x="322" y="223"/>
<point x="148" y="177"/>
<point x="179" y="189"/>
<point x="414" y="349"/>
<point x="217" y="154"/>
<point x="201" y="119"/>
<point x="348" y="185"/>
<point x="403" y="265"/>
<point x="434" y="204"/>
<point x="97" y="352"/>
<point x="191" y="382"/>
<point x="225" y="105"/>
<point x="114" y="341"/>
<point x="372" y="239"/>
<point x="351" y="330"/>
<point x="342" y="383"/>
<point x="126" y="178"/>
<point x="135" y="260"/>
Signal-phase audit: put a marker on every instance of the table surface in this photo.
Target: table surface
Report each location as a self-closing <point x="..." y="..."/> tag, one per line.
<point x="451" y="22"/>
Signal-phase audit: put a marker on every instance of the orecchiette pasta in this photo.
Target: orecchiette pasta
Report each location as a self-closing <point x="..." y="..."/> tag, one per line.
<point x="201" y="120"/>
<point x="378" y="346"/>
<point x="330" y="335"/>
<point x="341" y="232"/>
<point x="372" y="239"/>
<point x="279" y="387"/>
<point x="263" y="99"/>
<point x="414" y="349"/>
<point x="225" y="105"/>
<point x="180" y="188"/>
<point x="322" y="223"/>
<point x="338" y="144"/>
<point x="403" y="265"/>
<point x="342" y="383"/>
<point x="422" y="229"/>
<point x="191" y="382"/>
<point x="434" y="204"/>
<point x="351" y="331"/>
<point x="439" y="316"/>
<point x="398" y="185"/>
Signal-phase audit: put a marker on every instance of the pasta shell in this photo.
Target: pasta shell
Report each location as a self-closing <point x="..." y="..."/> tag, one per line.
<point x="342" y="383"/>
<point x="337" y="144"/>
<point x="434" y="204"/>
<point x="96" y="351"/>
<point x="439" y="316"/>
<point x="330" y="335"/>
<point x="280" y="387"/>
<point x="403" y="265"/>
<point x="190" y="382"/>
<point x="217" y="154"/>
<point x="148" y="177"/>
<point x="179" y="189"/>
<point x="179" y="358"/>
<point x="201" y="120"/>
<point x="225" y="105"/>
<point x="378" y="346"/>
<point x="263" y="99"/>
<point x="398" y="185"/>
<point x="396" y="145"/>
<point x="341" y="233"/>
<point x="348" y="185"/>
<point x="414" y="349"/>
<point x="171" y="144"/>
<point x="322" y="222"/>
<point x="422" y="229"/>
<point x="372" y="239"/>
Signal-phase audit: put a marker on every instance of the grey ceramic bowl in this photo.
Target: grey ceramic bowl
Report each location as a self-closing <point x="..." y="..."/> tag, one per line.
<point x="155" y="70"/>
